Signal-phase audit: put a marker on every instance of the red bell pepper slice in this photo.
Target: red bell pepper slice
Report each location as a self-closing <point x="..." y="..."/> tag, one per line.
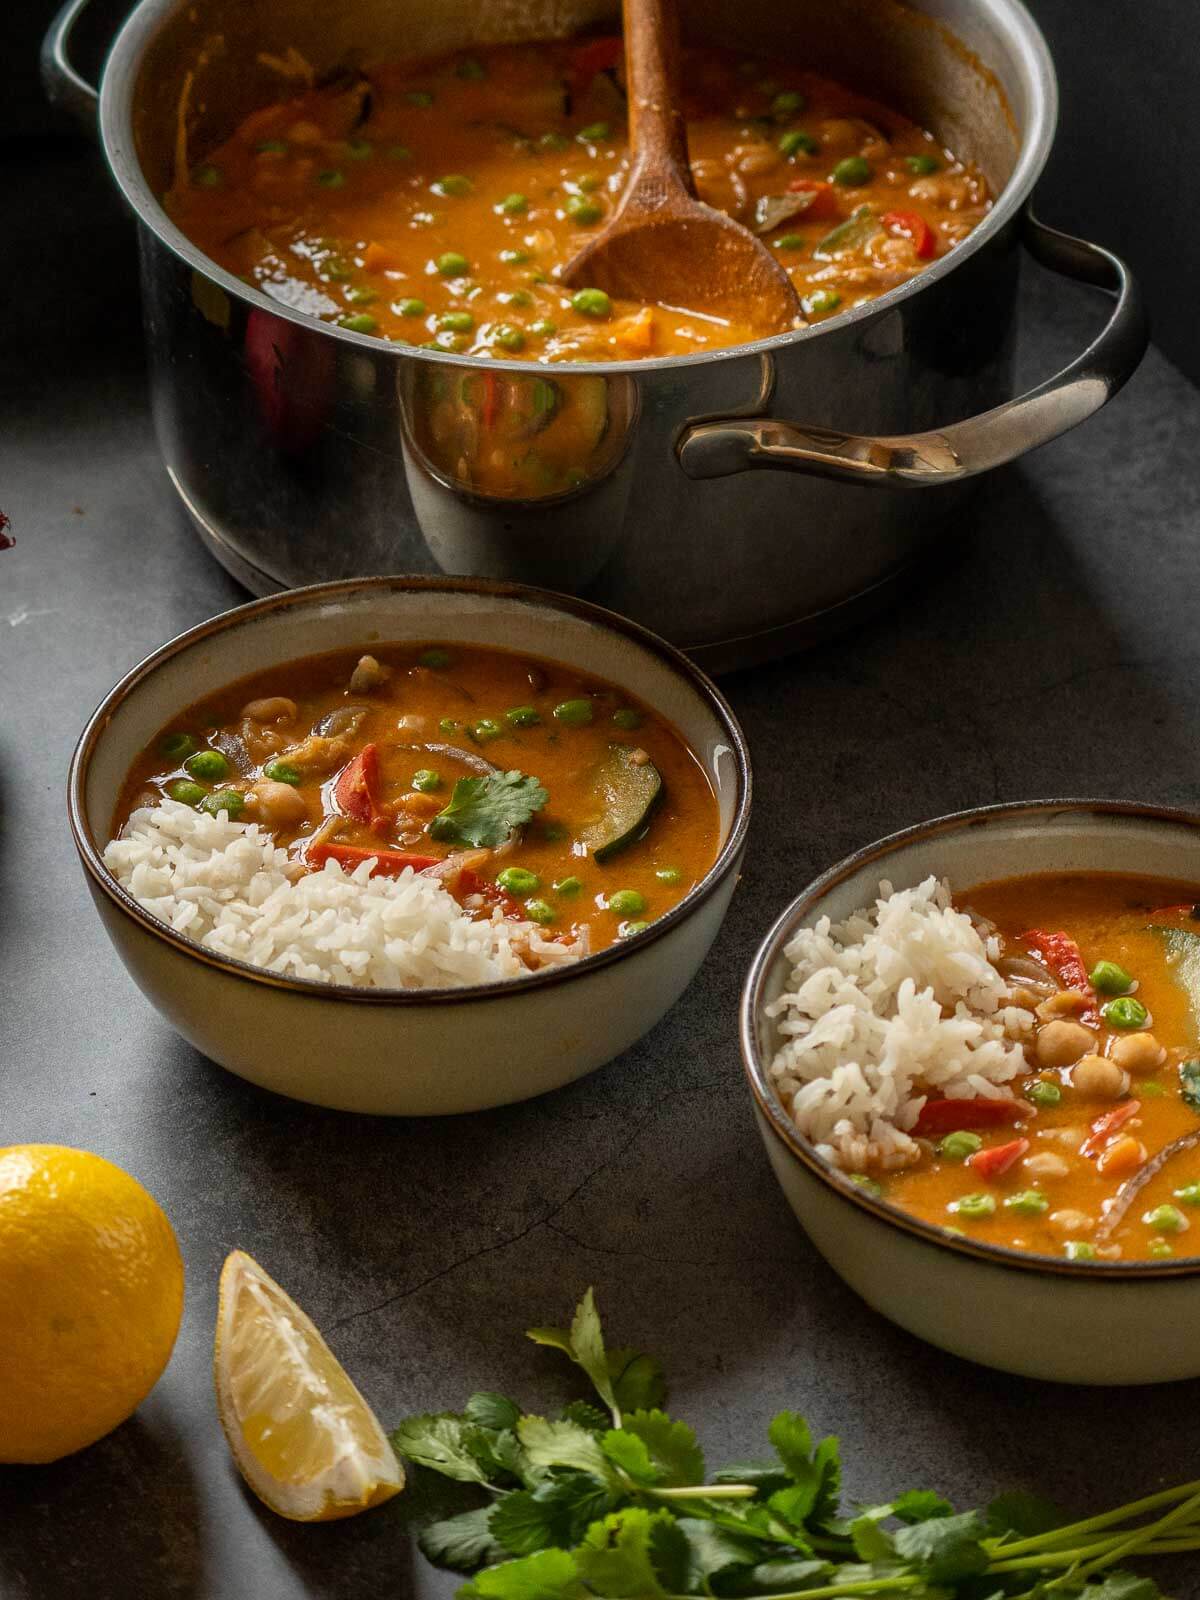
<point x="1062" y="955"/>
<point x="356" y="792"/>
<point x="994" y="1163"/>
<point x="1104" y="1127"/>
<point x="910" y="225"/>
<point x="596" y="55"/>
<point x="823" y="207"/>
<point x="980" y="1111"/>
<point x="388" y="863"/>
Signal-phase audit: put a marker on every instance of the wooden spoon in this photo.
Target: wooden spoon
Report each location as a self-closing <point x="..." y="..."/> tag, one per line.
<point x="663" y="244"/>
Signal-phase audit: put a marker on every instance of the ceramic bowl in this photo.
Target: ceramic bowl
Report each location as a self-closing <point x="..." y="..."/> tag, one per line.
<point x="410" y="1052"/>
<point x="1120" y="1322"/>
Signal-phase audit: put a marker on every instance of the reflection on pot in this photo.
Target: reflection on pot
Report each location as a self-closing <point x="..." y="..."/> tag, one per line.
<point x="479" y="437"/>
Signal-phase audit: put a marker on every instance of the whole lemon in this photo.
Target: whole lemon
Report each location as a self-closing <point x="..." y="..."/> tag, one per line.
<point x="91" y="1293"/>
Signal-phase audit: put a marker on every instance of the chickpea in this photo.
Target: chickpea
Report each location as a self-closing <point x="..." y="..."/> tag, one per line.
<point x="278" y="805"/>
<point x="1071" y="1222"/>
<point x="368" y="675"/>
<point x="1061" y="1043"/>
<point x="277" y="708"/>
<point x="1099" y="1078"/>
<point x="1137" y="1052"/>
<point x="416" y="804"/>
<point x="1064" y="1003"/>
<point x="1045" y="1164"/>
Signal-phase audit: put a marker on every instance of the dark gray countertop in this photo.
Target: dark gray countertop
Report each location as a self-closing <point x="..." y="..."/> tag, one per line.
<point x="1053" y="655"/>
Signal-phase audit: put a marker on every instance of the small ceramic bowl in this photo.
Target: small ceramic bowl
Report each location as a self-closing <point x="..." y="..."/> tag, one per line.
<point x="1118" y="1322"/>
<point x="410" y="1052"/>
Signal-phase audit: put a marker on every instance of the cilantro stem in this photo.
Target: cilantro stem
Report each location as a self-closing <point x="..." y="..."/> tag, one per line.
<point x="1108" y="1519"/>
<point x="703" y="1491"/>
<point x="1141" y="1537"/>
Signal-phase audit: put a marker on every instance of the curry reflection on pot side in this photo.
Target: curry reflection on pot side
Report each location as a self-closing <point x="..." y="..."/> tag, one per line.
<point x="435" y="204"/>
<point x="598" y="818"/>
<point x="1098" y="1154"/>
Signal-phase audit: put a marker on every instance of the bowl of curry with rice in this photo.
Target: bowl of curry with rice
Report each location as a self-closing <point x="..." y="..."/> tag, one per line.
<point x="412" y="846"/>
<point x="974" y="1053"/>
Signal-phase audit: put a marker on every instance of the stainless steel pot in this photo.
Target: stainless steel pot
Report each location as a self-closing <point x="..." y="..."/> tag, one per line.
<point x="302" y="451"/>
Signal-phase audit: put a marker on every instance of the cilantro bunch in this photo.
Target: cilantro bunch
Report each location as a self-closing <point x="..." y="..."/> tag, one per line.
<point x="612" y="1502"/>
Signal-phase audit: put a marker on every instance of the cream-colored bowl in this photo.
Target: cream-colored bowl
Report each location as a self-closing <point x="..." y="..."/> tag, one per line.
<point x="410" y="1052"/>
<point x="1078" y="1322"/>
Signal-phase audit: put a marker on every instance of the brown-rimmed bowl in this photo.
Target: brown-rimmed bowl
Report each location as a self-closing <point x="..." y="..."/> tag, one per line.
<point x="410" y="1052"/>
<point x="1118" y="1322"/>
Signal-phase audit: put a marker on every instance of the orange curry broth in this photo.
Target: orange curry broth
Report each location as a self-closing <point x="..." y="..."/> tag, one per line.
<point x="342" y="200"/>
<point x="1107" y="914"/>
<point x="407" y="710"/>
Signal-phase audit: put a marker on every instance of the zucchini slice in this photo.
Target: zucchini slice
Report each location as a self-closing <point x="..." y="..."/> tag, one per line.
<point x="626" y="792"/>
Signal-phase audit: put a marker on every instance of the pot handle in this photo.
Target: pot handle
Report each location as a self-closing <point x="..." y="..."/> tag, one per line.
<point x="961" y="449"/>
<point x="66" y="88"/>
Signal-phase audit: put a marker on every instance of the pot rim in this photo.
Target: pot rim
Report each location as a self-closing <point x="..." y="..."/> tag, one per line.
<point x="1011" y="17"/>
<point x="701" y="685"/>
<point x="774" y="1117"/>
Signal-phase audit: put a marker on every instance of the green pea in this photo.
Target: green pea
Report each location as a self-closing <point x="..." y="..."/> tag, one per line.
<point x="540" y="911"/>
<point x="514" y="205"/>
<point x="959" y="1145"/>
<point x="922" y="165"/>
<point x="399" y="152"/>
<point x="210" y="766"/>
<point x="571" y="886"/>
<point x="177" y="746"/>
<point x="587" y="182"/>
<point x="1160" y="1248"/>
<point x="283" y="772"/>
<point x="227" y="800"/>
<point x="1189" y="1194"/>
<point x="455" y="343"/>
<point x="426" y="780"/>
<point x="669" y="875"/>
<point x="516" y="297"/>
<point x="188" y="794"/>
<point x="271" y="147"/>
<point x="582" y="210"/>
<point x="331" y="178"/>
<point x="438" y="659"/>
<point x="852" y="170"/>
<point x="448" y="725"/>
<point x="411" y="307"/>
<point x="627" y="902"/>
<point x="788" y="103"/>
<point x="508" y="337"/>
<point x="627" y="930"/>
<point x="1149" y="1090"/>
<point x="515" y="258"/>
<point x="1165" y="1219"/>
<point x="485" y="730"/>
<point x="452" y="264"/>
<point x="471" y="69"/>
<point x="867" y="1185"/>
<point x="628" y="718"/>
<point x="1125" y="1013"/>
<point x="208" y="177"/>
<point x="522" y="716"/>
<point x="360" y="149"/>
<point x="1029" y="1203"/>
<point x="554" y="141"/>
<point x="591" y="303"/>
<point x="1044" y="1093"/>
<point x="543" y="328"/>
<point x="821" y="302"/>
<point x="575" y="713"/>
<point x="593" y="132"/>
<point x="1110" y="978"/>
<point x="973" y="1205"/>
<point x="360" y="296"/>
<point x="790" y="241"/>
<point x="518" y="881"/>
<point x="360" y="322"/>
<point x="1079" y="1250"/>
<point x="456" y="322"/>
<point x="795" y="140"/>
<point x="419" y="97"/>
<point x="453" y="184"/>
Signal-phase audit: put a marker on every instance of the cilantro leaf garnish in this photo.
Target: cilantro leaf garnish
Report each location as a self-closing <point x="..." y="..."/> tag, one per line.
<point x="442" y="1441"/>
<point x="483" y="812"/>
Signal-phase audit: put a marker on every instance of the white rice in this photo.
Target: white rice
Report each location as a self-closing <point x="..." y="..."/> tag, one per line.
<point x="885" y="1009"/>
<point x="227" y="885"/>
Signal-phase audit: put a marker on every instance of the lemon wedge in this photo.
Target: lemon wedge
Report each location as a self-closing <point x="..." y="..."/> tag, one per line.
<point x="303" y="1437"/>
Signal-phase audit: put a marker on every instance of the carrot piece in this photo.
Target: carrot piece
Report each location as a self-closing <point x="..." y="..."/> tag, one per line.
<point x="1104" y="1127"/>
<point x="356" y="792"/>
<point x="376" y="256"/>
<point x="824" y="204"/>
<point x="994" y="1163"/>
<point x="388" y="863"/>
<point x="981" y="1111"/>
<point x="910" y="225"/>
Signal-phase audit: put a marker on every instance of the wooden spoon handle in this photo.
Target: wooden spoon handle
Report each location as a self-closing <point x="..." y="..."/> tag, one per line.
<point x="657" y="130"/>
